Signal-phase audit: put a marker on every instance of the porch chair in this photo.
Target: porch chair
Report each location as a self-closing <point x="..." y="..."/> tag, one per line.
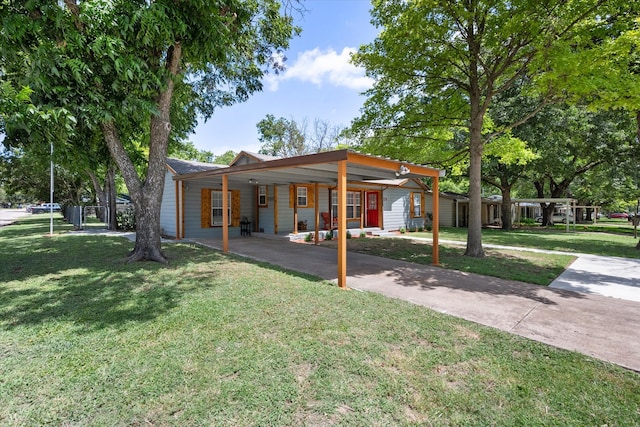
<point x="328" y="223"/>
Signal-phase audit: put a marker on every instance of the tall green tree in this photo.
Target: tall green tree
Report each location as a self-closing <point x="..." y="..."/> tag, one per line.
<point x="571" y="142"/>
<point x="281" y="137"/>
<point x="439" y="64"/>
<point x="225" y="158"/>
<point x="119" y="66"/>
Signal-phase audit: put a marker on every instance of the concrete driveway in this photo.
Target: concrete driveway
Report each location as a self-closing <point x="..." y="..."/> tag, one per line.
<point x="602" y="327"/>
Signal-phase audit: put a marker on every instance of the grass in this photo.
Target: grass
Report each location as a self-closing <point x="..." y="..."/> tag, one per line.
<point x="556" y="239"/>
<point x="529" y="267"/>
<point x="88" y="340"/>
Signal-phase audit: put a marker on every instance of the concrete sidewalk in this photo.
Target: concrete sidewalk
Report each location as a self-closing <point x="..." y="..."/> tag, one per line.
<point x="591" y="274"/>
<point x="601" y="327"/>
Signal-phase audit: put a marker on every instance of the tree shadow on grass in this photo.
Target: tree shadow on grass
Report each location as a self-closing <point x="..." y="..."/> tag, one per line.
<point x="321" y="262"/>
<point x="85" y="280"/>
<point x="423" y="276"/>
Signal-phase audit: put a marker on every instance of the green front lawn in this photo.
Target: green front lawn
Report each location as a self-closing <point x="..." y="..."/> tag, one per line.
<point x="88" y="340"/>
<point x="529" y="267"/>
<point x="556" y="239"/>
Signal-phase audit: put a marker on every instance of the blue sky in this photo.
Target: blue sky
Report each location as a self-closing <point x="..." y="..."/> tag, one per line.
<point x="318" y="82"/>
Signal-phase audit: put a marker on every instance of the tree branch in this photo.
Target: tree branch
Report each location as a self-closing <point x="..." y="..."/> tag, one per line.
<point x="75" y="11"/>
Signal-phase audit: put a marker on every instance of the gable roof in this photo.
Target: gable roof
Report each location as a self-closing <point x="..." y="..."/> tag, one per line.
<point x="181" y="167"/>
<point x="250" y="157"/>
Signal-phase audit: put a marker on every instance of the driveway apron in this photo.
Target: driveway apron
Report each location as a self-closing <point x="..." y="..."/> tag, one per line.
<point x="608" y="276"/>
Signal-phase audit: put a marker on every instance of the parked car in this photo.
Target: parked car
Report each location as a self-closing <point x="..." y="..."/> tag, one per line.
<point x="46" y="207"/>
<point x="622" y="215"/>
<point x="557" y="217"/>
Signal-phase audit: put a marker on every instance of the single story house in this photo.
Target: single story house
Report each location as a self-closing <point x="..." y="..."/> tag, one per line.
<point x="318" y="192"/>
<point x="390" y="204"/>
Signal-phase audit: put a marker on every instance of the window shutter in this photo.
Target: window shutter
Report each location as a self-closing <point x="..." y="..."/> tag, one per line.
<point x="205" y="208"/>
<point x="292" y="195"/>
<point x="311" y="196"/>
<point x="411" y="206"/>
<point x="422" y="205"/>
<point x="235" y="208"/>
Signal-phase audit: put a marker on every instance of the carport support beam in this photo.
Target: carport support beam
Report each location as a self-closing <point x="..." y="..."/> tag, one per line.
<point x="225" y="213"/>
<point x="435" y="255"/>
<point x="316" y="234"/>
<point x="342" y="224"/>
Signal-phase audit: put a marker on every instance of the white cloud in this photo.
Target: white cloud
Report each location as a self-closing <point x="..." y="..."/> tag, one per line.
<point x="323" y="67"/>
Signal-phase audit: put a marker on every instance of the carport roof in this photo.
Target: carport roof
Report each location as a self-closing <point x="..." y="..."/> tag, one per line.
<point x="317" y="168"/>
<point x="181" y="167"/>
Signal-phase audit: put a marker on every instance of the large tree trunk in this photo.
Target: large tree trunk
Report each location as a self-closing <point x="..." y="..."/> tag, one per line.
<point x="110" y="189"/>
<point x="474" y="230"/>
<point x="507" y="222"/>
<point x="147" y="196"/>
<point x="476" y="120"/>
<point x="101" y="194"/>
<point x="106" y="196"/>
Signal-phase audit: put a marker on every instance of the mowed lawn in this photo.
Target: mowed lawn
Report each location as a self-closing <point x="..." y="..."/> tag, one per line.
<point x="524" y="266"/>
<point x="210" y="339"/>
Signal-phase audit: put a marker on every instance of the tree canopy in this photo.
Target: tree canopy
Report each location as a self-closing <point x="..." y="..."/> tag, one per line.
<point x="438" y="65"/>
<point x="283" y="137"/>
<point x="139" y="71"/>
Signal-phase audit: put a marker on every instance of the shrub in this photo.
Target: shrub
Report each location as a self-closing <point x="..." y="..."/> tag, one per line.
<point x="348" y="234"/>
<point x="363" y="234"/>
<point x="308" y="238"/>
<point x="429" y="228"/>
<point x="420" y="229"/>
<point x="328" y="235"/>
<point x="402" y="230"/>
<point x="126" y="219"/>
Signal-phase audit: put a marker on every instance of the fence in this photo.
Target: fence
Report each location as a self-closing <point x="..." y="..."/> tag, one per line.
<point x="82" y="217"/>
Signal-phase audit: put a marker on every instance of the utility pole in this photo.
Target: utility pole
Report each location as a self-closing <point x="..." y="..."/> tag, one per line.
<point x="51" y="195"/>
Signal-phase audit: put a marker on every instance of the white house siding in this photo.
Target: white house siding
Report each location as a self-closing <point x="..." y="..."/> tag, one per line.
<point x="446" y="208"/>
<point x="265" y="214"/>
<point x="396" y="207"/>
<point x="168" y="207"/>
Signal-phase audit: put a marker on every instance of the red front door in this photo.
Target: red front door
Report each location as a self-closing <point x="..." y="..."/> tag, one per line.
<point x="372" y="210"/>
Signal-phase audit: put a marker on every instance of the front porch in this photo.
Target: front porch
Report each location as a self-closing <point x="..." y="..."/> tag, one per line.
<point x="302" y="235"/>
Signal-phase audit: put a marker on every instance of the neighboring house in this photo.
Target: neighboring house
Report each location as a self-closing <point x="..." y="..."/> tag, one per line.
<point x="454" y="210"/>
<point x="279" y="196"/>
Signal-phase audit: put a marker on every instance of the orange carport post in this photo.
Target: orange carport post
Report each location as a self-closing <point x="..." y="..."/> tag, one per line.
<point x="342" y="224"/>
<point x="225" y="213"/>
<point x="435" y="254"/>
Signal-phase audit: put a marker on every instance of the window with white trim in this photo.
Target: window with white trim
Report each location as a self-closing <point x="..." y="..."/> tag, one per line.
<point x="416" y="205"/>
<point x="354" y="208"/>
<point x="216" y="207"/>
<point x="303" y="200"/>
